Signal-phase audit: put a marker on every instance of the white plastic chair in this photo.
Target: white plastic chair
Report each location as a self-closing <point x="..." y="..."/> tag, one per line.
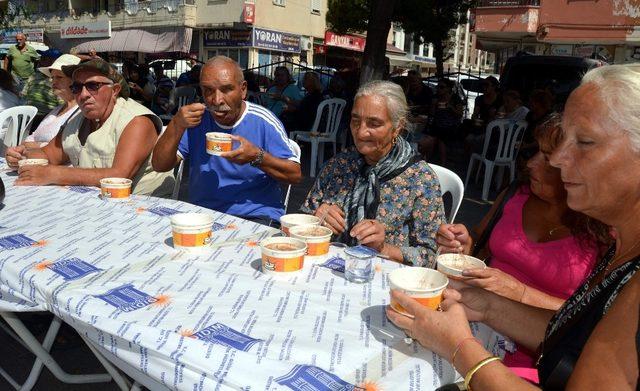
<point x="184" y="96"/>
<point x="296" y="147"/>
<point x="316" y="136"/>
<point x="180" y="96"/>
<point x="450" y="182"/>
<point x="176" y="186"/>
<point x="509" y="138"/>
<point x="18" y="120"/>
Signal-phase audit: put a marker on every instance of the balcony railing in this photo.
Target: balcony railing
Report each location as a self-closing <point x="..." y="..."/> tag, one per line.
<point x="507" y="3"/>
<point x="130" y="6"/>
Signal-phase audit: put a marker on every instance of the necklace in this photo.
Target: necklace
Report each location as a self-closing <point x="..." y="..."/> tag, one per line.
<point x="621" y="256"/>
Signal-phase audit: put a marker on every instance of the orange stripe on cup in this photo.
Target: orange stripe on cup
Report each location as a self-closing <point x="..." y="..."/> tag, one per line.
<point x="282" y="264"/>
<point x="191" y="240"/>
<point x="314" y="249"/>
<point x="429" y="302"/>
<point x="219" y="145"/>
<point x="113" y="192"/>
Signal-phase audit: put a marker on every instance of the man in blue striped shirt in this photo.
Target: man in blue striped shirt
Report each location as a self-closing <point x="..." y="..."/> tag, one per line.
<point x="244" y="181"/>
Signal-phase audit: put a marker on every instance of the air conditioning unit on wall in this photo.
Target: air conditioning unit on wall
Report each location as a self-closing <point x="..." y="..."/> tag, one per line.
<point x="306" y="43"/>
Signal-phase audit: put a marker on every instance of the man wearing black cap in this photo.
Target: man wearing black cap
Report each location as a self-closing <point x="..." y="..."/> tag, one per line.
<point x="113" y="137"/>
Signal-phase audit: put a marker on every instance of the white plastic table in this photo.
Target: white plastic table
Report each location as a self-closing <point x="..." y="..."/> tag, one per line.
<point x="207" y="321"/>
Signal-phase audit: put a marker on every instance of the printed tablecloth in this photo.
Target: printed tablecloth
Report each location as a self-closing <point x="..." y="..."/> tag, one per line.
<point x="208" y="321"/>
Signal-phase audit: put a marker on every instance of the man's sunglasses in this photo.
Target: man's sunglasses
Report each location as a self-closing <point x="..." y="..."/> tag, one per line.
<point x="91" y="86"/>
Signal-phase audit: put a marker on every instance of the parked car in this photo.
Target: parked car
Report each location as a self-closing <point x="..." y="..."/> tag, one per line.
<point x="561" y="74"/>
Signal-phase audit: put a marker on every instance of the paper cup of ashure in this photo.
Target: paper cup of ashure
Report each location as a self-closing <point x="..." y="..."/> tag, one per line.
<point x="291" y="220"/>
<point x="218" y="143"/>
<point x="115" y="188"/>
<point x="453" y="264"/>
<point x="191" y="231"/>
<point x="33" y="162"/>
<point x="422" y="284"/>
<point x="316" y="237"/>
<point x="282" y="255"/>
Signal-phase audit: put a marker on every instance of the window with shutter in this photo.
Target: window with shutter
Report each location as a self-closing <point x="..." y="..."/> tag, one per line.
<point x="315" y="6"/>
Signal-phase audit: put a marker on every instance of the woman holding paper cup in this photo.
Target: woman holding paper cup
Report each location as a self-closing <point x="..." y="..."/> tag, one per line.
<point x="381" y="195"/>
<point x="534" y="230"/>
<point x="591" y="341"/>
<point x="541" y="250"/>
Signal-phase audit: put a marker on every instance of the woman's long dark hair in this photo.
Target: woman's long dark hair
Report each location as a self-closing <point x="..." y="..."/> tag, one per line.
<point x="549" y="135"/>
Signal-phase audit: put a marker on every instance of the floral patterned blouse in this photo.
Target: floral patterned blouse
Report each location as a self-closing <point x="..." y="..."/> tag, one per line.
<point x="410" y="204"/>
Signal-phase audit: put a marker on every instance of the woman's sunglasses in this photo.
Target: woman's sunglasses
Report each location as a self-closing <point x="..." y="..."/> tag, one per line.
<point x="91" y="86"/>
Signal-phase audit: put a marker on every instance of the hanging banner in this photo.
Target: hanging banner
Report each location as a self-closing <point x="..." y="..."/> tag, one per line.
<point x="97" y="29"/>
<point x="350" y="42"/>
<point x="33" y="35"/>
<point x="227" y="38"/>
<point x="276" y="40"/>
<point x="249" y="13"/>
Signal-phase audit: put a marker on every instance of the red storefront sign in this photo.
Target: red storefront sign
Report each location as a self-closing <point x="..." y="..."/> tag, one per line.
<point x="350" y="42"/>
<point x="249" y="13"/>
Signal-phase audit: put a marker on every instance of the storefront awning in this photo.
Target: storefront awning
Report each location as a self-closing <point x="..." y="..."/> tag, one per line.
<point x="394" y="50"/>
<point x="176" y="39"/>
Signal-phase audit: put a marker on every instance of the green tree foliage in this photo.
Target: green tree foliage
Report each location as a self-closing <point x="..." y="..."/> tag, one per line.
<point x="9" y="12"/>
<point x="434" y="23"/>
<point x="429" y="20"/>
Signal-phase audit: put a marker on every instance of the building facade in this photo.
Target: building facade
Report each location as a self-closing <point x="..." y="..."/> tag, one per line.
<point x="603" y="29"/>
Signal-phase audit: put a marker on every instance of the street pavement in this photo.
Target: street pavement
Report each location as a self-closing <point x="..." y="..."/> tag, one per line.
<point x="74" y="357"/>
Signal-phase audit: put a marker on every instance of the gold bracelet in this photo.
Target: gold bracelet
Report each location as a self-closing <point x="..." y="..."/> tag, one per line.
<point x="476" y="368"/>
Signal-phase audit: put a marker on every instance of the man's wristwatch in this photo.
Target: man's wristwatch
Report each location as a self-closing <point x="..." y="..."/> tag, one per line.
<point x="258" y="160"/>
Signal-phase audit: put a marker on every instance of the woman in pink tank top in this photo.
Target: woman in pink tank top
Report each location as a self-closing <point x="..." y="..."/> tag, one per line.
<point x="535" y="230"/>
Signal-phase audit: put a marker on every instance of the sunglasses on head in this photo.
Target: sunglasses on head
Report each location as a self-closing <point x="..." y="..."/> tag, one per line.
<point x="91" y="86"/>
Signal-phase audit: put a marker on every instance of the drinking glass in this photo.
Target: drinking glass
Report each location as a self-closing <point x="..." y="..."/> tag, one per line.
<point x="358" y="267"/>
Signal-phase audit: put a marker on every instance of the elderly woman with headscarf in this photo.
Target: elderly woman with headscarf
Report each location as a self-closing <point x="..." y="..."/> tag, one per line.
<point x="380" y="195"/>
<point x="591" y="342"/>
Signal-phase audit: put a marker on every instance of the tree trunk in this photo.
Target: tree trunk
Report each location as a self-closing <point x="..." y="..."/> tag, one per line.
<point x="373" y="59"/>
<point x="438" y="53"/>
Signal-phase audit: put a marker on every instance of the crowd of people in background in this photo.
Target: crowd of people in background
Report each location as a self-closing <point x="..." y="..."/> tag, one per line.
<point x="541" y="235"/>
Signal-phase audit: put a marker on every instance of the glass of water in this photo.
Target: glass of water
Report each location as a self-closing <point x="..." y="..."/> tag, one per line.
<point x="358" y="267"/>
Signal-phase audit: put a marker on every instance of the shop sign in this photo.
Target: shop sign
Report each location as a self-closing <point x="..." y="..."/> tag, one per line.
<point x="344" y="41"/>
<point x="227" y="38"/>
<point x="99" y="29"/>
<point x="425" y="59"/>
<point x="33" y="35"/>
<point x="276" y="40"/>
<point x="584" y="50"/>
<point x="249" y="13"/>
<point x="561" y="50"/>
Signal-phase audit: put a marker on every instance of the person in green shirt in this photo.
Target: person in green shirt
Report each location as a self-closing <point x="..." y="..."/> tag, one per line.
<point x="21" y="58"/>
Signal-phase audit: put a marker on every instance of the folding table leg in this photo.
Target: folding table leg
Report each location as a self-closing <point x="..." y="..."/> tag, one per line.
<point x="43" y="356"/>
<point x="113" y="371"/>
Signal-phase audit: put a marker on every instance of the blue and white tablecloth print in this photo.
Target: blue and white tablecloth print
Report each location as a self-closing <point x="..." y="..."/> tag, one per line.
<point x="207" y="321"/>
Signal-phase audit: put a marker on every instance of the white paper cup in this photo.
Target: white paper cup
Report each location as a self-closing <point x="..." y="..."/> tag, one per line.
<point x="33" y="162"/>
<point x="409" y="280"/>
<point x="291" y="220"/>
<point x="316" y="237"/>
<point x="454" y="264"/>
<point x="282" y="255"/>
<point x="191" y="231"/>
<point x="115" y="188"/>
<point x="218" y="143"/>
